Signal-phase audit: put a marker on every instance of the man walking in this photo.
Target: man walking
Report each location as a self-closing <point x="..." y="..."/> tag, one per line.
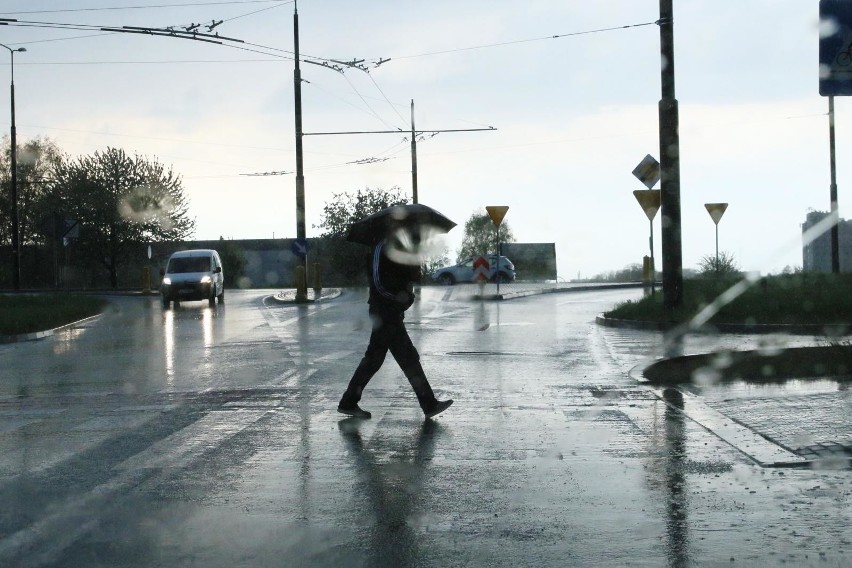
<point x="391" y="293"/>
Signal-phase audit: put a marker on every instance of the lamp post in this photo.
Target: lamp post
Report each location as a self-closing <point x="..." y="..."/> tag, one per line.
<point x="16" y="243"/>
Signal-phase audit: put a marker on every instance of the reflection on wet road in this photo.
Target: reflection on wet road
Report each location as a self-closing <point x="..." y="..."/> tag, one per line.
<point x="210" y="437"/>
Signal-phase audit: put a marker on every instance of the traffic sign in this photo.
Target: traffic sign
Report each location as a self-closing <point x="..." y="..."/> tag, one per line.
<point x="649" y="201"/>
<point x="300" y="248"/>
<point x="497" y="212"/>
<point x="71" y="229"/>
<point x="648" y="171"/>
<point x="481" y="268"/>
<point x="716" y="210"/>
<point x="835" y="47"/>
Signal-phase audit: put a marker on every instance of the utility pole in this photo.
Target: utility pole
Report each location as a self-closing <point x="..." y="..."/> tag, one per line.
<point x="301" y="283"/>
<point x="413" y="157"/>
<point x="414" y="134"/>
<point x="669" y="165"/>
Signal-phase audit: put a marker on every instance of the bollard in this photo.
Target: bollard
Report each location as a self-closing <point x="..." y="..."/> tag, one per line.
<point x="317" y="280"/>
<point x="301" y="283"/>
<point x="146" y="280"/>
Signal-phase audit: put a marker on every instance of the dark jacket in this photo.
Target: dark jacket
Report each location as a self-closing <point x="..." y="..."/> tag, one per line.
<point x="391" y="283"/>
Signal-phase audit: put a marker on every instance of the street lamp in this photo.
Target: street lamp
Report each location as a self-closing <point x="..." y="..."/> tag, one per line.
<point x="16" y="243"/>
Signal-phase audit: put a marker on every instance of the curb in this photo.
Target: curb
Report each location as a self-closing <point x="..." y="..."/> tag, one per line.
<point x="36" y="335"/>
<point x="526" y="293"/>
<point x="830" y="330"/>
<point x="752" y="444"/>
<point x="833" y="361"/>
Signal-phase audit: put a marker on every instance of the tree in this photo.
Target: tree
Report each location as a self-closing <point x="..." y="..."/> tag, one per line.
<point x="480" y="236"/>
<point x="121" y="203"/>
<point x="346" y="208"/>
<point x="724" y="266"/>
<point x="36" y="160"/>
<point x="345" y="262"/>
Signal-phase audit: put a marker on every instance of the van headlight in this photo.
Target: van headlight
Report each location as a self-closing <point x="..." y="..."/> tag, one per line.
<point x="206" y="280"/>
<point x="167" y="281"/>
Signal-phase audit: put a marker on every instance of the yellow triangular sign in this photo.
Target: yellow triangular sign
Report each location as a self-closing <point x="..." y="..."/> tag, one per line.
<point x="497" y="212"/>
<point x="716" y="210"/>
<point x="649" y="201"/>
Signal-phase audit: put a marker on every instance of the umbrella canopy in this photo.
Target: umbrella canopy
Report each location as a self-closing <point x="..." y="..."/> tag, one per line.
<point x="375" y="227"/>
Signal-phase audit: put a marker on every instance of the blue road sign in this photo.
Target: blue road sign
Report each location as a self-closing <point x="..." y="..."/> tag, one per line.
<point x="835" y="47"/>
<point x="300" y="248"/>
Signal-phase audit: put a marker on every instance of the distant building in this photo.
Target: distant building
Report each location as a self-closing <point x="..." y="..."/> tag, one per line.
<point x="816" y="256"/>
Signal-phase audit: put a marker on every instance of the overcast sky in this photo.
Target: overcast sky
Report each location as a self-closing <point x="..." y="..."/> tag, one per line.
<point x="573" y="114"/>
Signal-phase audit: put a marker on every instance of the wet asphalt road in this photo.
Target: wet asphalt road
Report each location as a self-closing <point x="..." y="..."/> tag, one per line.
<point x="209" y="437"/>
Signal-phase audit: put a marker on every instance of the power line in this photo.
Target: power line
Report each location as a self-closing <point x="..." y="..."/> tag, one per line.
<point x="367" y="104"/>
<point x="191" y="33"/>
<point x="386" y="98"/>
<point x="265" y="174"/>
<point x="514" y="42"/>
<point x="158" y="62"/>
<point x="185" y="5"/>
<point x="255" y="12"/>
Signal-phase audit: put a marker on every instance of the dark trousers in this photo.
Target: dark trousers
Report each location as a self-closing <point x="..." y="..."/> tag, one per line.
<point x="389" y="334"/>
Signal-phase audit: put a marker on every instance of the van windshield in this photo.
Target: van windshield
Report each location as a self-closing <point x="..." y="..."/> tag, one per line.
<point x="189" y="264"/>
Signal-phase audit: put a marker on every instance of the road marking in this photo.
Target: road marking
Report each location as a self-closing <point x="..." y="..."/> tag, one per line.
<point x="335" y="355"/>
<point x="186" y="445"/>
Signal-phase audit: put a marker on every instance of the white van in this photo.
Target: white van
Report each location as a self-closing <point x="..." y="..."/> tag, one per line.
<point x="193" y="275"/>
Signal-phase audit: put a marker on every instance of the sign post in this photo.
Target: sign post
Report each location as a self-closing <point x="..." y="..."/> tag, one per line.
<point x="835" y="78"/>
<point x="716" y="211"/>
<point x="497" y="212"/>
<point x="648" y="172"/>
<point x="649" y="201"/>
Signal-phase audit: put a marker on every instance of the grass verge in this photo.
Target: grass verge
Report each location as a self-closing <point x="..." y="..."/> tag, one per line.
<point x="41" y="312"/>
<point x="786" y="299"/>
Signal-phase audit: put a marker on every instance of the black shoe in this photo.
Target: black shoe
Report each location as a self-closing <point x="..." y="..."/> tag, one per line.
<point x="353" y="410"/>
<point x="439" y="407"/>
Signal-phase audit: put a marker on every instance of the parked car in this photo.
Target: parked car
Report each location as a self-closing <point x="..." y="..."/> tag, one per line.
<point x="463" y="271"/>
<point x="193" y="275"/>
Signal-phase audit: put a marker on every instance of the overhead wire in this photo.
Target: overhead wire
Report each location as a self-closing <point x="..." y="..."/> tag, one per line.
<point x="514" y="42"/>
<point x="368" y="104"/>
<point x="385" y="97"/>
<point x="326" y="62"/>
<point x="184" y="5"/>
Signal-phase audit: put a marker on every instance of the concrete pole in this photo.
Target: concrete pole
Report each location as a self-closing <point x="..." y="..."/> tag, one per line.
<point x="301" y="284"/>
<point x="413" y="157"/>
<point x="670" y="165"/>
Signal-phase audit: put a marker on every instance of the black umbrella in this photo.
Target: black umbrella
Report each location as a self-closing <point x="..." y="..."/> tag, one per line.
<point x="375" y="227"/>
